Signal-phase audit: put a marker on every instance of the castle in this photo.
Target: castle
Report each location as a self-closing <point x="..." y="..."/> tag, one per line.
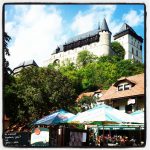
<point x="98" y="42"/>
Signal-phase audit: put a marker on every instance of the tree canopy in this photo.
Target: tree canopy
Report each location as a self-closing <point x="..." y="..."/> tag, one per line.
<point x="6" y="69"/>
<point x="101" y="73"/>
<point x="84" y="57"/>
<point x="40" y="90"/>
<point x="118" y="49"/>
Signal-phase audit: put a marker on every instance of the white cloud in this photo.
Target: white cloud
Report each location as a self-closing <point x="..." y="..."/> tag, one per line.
<point x="35" y="33"/>
<point x="87" y="20"/>
<point x="133" y="18"/>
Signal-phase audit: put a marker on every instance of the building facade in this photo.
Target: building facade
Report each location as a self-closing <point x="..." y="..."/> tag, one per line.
<point x="127" y="94"/>
<point x="98" y="42"/>
<point x="131" y="42"/>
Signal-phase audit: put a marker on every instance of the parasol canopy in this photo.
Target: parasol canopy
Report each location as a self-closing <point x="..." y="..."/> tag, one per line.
<point x="138" y="115"/>
<point x="55" y="118"/>
<point x="102" y="114"/>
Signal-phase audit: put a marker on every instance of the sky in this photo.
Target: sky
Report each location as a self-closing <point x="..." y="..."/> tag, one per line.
<point x="36" y="30"/>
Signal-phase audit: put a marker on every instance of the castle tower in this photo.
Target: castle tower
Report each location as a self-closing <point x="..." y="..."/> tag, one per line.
<point x="131" y="42"/>
<point x="105" y="39"/>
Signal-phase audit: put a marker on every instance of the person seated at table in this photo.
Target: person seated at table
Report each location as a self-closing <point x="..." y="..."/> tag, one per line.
<point x="98" y="140"/>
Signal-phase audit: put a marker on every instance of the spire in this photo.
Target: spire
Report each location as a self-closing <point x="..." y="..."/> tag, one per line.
<point x="104" y="26"/>
<point x="126" y="27"/>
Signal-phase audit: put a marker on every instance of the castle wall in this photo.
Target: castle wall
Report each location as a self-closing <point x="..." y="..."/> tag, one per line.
<point x="132" y="47"/>
<point x="100" y="48"/>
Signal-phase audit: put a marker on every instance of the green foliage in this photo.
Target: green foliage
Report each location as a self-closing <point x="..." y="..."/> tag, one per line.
<point x="101" y="73"/>
<point x="8" y="94"/>
<point x="84" y="57"/>
<point x="85" y="102"/>
<point x="118" y="49"/>
<point x="6" y="69"/>
<point x="129" y="68"/>
<point x="40" y="90"/>
<point x="71" y="72"/>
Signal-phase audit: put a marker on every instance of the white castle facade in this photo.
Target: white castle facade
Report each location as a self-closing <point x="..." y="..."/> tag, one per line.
<point x="98" y="42"/>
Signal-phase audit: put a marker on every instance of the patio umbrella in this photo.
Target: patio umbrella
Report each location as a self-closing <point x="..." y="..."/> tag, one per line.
<point x="103" y="114"/>
<point x="138" y="115"/>
<point x="55" y="118"/>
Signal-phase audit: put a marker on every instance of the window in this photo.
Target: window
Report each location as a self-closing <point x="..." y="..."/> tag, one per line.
<point x="132" y="51"/>
<point x="120" y="88"/>
<point x="140" y="47"/>
<point x="124" y="86"/>
<point x="127" y="86"/>
<point x="136" y="52"/>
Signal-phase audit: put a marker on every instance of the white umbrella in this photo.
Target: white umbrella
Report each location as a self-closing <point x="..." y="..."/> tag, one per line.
<point x="103" y="113"/>
<point x="138" y="115"/>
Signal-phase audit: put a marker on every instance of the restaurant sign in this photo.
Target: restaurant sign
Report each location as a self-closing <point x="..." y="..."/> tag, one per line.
<point x="131" y="101"/>
<point x="121" y="128"/>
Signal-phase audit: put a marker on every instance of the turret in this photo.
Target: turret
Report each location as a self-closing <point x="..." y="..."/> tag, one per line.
<point x="105" y="39"/>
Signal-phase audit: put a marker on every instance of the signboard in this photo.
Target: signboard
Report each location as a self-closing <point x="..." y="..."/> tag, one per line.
<point x="16" y="139"/>
<point x="40" y="137"/>
<point x="131" y="101"/>
<point x="121" y="128"/>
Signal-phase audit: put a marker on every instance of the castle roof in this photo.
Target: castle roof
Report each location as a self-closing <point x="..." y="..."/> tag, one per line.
<point x="126" y="29"/>
<point x="77" y="38"/>
<point x="104" y="26"/>
<point x="83" y="36"/>
<point x="25" y="64"/>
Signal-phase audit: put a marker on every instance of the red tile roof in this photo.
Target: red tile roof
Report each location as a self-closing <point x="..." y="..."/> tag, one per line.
<point x="90" y="94"/>
<point x="137" y="89"/>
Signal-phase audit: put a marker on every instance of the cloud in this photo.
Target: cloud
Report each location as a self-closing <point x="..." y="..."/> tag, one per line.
<point x="36" y="31"/>
<point x="133" y="18"/>
<point x="87" y="20"/>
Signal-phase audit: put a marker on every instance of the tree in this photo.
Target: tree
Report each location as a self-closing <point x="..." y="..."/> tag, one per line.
<point x="40" y="90"/>
<point x="84" y="57"/>
<point x="71" y="72"/>
<point x="8" y="94"/>
<point x="118" y="49"/>
<point x="6" y="69"/>
<point x="129" y="68"/>
<point x="86" y="102"/>
<point x="110" y="59"/>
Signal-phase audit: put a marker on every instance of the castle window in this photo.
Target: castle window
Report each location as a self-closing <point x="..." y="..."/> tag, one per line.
<point x="136" y="52"/>
<point x="132" y="51"/>
<point x="57" y="50"/>
<point x="140" y="47"/>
